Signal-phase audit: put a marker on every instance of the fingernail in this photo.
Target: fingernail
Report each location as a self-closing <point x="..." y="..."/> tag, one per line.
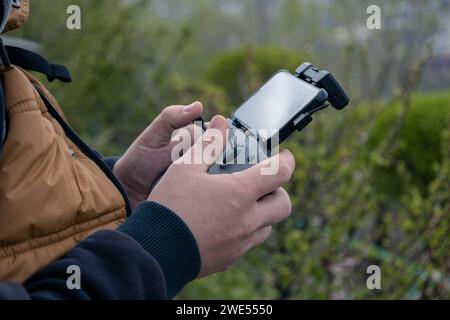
<point x="217" y="122"/>
<point x="189" y="108"/>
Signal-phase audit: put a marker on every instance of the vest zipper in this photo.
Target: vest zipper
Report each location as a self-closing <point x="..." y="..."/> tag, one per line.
<point x="87" y="150"/>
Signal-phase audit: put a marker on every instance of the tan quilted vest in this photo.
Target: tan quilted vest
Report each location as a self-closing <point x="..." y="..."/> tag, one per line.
<point x="51" y="194"/>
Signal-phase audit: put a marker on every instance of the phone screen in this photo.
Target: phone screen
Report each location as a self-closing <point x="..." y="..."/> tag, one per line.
<point x="276" y="103"/>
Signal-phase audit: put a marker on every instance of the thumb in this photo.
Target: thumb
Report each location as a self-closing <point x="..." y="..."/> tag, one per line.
<point x="208" y="149"/>
<point x="170" y="119"/>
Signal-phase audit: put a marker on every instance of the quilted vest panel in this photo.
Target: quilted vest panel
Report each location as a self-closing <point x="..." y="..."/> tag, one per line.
<point x="52" y="195"/>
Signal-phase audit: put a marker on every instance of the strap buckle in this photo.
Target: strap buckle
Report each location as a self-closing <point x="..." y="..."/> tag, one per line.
<point x="31" y="61"/>
<point x="16" y="4"/>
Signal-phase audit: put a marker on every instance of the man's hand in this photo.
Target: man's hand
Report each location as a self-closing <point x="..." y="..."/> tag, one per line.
<point x="227" y="214"/>
<point x="150" y="155"/>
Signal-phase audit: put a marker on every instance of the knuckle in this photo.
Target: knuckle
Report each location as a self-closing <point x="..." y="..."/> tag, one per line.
<point x="257" y="188"/>
<point x="247" y="228"/>
<point x="265" y="234"/>
<point x="235" y="203"/>
<point x="250" y="188"/>
<point x="238" y="189"/>
<point x="165" y="114"/>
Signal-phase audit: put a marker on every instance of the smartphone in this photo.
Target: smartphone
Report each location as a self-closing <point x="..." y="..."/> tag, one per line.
<point x="275" y="108"/>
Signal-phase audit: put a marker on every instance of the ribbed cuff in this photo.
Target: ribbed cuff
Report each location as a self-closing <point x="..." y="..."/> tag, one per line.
<point x="170" y="242"/>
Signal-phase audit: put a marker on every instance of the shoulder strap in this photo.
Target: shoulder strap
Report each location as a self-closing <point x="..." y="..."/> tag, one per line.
<point x="31" y="61"/>
<point x="3" y="124"/>
<point x="4" y="63"/>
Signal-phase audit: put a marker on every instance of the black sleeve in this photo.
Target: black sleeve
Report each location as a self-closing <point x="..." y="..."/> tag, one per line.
<point x="151" y="256"/>
<point x="112" y="266"/>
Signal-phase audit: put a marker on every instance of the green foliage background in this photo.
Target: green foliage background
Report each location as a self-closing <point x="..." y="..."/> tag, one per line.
<point x="372" y="182"/>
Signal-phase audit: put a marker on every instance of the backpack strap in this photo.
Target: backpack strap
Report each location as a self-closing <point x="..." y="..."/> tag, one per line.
<point x="3" y="118"/>
<point x="4" y="63"/>
<point x="31" y="61"/>
<point x="4" y="58"/>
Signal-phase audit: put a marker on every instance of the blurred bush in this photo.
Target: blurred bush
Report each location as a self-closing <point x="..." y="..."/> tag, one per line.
<point x="418" y="150"/>
<point x="242" y="71"/>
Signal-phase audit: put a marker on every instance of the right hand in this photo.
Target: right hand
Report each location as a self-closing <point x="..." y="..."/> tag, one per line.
<point x="227" y="214"/>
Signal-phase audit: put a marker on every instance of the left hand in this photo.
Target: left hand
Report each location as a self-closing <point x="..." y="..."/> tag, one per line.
<point x="150" y="155"/>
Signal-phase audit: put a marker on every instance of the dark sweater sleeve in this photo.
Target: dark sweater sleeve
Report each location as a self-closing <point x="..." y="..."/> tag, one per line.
<point x="151" y="256"/>
<point x="166" y="237"/>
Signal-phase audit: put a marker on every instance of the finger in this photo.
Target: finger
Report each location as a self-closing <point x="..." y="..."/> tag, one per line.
<point x="171" y="119"/>
<point x="193" y="131"/>
<point x="273" y="209"/>
<point x="209" y="148"/>
<point x="187" y="135"/>
<point x="268" y="175"/>
<point x="184" y="138"/>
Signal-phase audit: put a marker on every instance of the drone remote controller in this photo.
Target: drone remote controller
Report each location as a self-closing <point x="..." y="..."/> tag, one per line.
<point x="284" y="104"/>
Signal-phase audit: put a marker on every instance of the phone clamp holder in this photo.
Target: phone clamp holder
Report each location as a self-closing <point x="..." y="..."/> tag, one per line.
<point x="324" y="80"/>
